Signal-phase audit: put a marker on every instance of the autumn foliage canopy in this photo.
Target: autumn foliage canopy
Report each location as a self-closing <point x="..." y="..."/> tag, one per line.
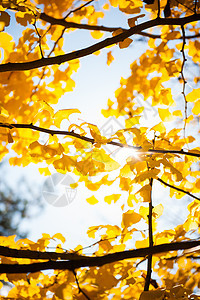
<point x="36" y="70"/>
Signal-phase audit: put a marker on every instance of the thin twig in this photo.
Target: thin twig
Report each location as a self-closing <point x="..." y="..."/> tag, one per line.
<point x="44" y="69"/>
<point x="78" y="8"/>
<point x="183" y="79"/>
<point x="92" y="141"/>
<point x="79" y="288"/>
<point x="39" y="36"/>
<point x="158" y="15"/>
<point x="150" y="229"/>
<point x="185" y="6"/>
<point x="178" y="189"/>
<point x="195" y="6"/>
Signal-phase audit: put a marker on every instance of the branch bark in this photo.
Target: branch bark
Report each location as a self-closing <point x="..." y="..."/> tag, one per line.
<point x="92" y="141"/>
<point x="98" y="46"/>
<point x="178" y="189"/>
<point x="89" y="261"/>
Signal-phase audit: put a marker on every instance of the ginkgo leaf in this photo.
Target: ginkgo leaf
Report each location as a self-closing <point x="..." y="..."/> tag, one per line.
<point x="145" y="193"/>
<point x="165" y="114"/>
<point x="110" y="58"/>
<point x="125" y="43"/>
<point x="92" y="200"/>
<point x="117" y="32"/>
<point x="129" y="218"/>
<point x="113" y="197"/>
<point x="4" y="20"/>
<point x="10" y="139"/>
<point x="193" y="96"/>
<point x="152" y="295"/>
<point x="60" y="237"/>
<point x="64" y="114"/>
<point x="131" y="21"/>
<point x="158" y="210"/>
<point x="132" y="121"/>
<point x="196" y="108"/>
<point x="96" y="34"/>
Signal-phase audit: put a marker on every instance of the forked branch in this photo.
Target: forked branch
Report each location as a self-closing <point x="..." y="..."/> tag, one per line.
<point x="98" y="46"/>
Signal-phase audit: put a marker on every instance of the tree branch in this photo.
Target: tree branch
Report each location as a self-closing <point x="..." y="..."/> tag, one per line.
<point x="178" y="189"/>
<point x="92" y="141"/>
<point x="98" y="46"/>
<point x="149" y="261"/>
<point x="89" y="261"/>
<point x="66" y="24"/>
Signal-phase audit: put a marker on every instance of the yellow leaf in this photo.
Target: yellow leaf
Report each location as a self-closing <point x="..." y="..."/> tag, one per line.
<point x="64" y="164"/>
<point x="145" y="193"/>
<point x="10" y="139"/>
<point x="4" y="20"/>
<point x="44" y="171"/>
<point x="110" y="58"/>
<point x="111" y="198"/>
<point x="131" y="21"/>
<point x="158" y="210"/>
<point x="130" y="200"/>
<point x="63" y="291"/>
<point x="92" y="200"/>
<point x="106" y="6"/>
<point x="64" y="114"/>
<point x="178" y="113"/>
<point x="193" y="96"/>
<point x="152" y="295"/>
<point x="117" y="32"/>
<point x="24" y="18"/>
<point x="125" y="43"/>
<point x="96" y="34"/>
<point x="59" y="236"/>
<point x="132" y="121"/>
<point x="159" y="127"/>
<point x="129" y="218"/>
<point x="6" y="41"/>
<point x="165" y="114"/>
<point x="196" y="108"/>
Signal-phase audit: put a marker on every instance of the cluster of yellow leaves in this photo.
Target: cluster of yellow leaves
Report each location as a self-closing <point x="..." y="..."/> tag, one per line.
<point x="152" y="77"/>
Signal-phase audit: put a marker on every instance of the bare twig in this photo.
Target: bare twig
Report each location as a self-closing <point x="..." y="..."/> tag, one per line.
<point x="181" y="3"/>
<point x="78" y="8"/>
<point x="98" y="46"/>
<point x="39" y="36"/>
<point x="149" y="260"/>
<point x="158" y="15"/>
<point x="178" y="189"/>
<point x="44" y="69"/>
<point x="150" y="229"/>
<point x="195" y="6"/>
<point x="183" y="79"/>
<point x="79" y="288"/>
<point x="92" y="141"/>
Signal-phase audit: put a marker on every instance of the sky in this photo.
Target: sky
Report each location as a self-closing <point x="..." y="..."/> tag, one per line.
<point x="95" y="83"/>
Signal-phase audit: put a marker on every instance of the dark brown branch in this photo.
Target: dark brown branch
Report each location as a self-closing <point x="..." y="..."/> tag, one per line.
<point x="96" y="261"/>
<point x="54" y="21"/>
<point x="79" y="288"/>
<point x="66" y="24"/>
<point x="98" y="46"/>
<point x="92" y="141"/>
<point x="10" y="252"/>
<point x="183" y="79"/>
<point x="178" y="189"/>
<point x="149" y="261"/>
